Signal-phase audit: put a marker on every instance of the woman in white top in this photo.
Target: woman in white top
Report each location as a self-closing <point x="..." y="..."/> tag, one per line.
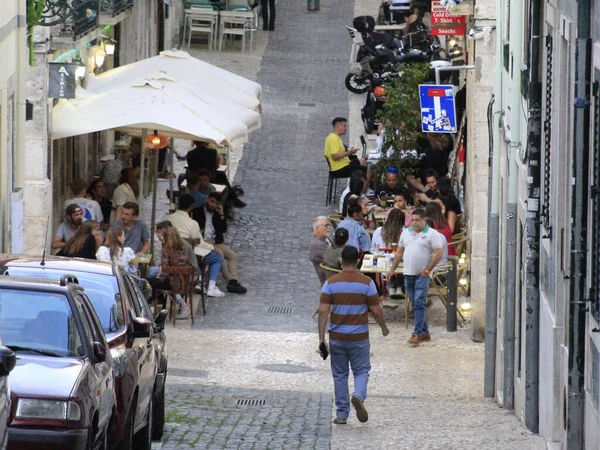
<point x="114" y="252"/>
<point x="384" y="237"/>
<point x="127" y="191"/>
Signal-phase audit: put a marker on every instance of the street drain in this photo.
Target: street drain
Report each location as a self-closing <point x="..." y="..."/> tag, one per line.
<point x="279" y="310"/>
<point x="307" y="105"/>
<point x="251" y="402"/>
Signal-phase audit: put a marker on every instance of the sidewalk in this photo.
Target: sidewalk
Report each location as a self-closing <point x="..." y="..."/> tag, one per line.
<point x="248" y="375"/>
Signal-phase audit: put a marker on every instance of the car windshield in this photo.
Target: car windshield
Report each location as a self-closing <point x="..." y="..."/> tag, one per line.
<point x="101" y="289"/>
<point x="39" y="322"/>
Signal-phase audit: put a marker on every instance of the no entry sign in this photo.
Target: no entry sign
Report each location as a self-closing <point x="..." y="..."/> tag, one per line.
<point x="445" y="24"/>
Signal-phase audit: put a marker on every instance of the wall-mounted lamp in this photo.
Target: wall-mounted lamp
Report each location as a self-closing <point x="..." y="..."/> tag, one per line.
<point x="80" y="71"/>
<point x="109" y="47"/>
<point x="99" y="57"/>
<point x="452" y="42"/>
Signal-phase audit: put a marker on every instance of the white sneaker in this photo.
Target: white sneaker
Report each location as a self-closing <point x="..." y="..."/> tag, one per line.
<point x="184" y="312"/>
<point x="391" y="291"/>
<point x="215" y="292"/>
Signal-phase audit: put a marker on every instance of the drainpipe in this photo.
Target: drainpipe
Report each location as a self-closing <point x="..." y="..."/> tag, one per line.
<point x="493" y="248"/>
<point x="532" y="223"/>
<point x="23" y="62"/>
<point x="510" y="255"/>
<point x="579" y="217"/>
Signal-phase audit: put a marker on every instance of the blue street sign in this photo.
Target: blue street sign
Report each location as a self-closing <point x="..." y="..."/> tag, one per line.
<point x="438" y="111"/>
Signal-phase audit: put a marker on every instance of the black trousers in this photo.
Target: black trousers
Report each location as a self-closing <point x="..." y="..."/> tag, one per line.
<point x="268" y="14"/>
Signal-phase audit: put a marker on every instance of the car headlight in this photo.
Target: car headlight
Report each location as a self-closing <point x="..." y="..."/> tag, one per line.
<point x="119" y="358"/>
<point x="33" y="408"/>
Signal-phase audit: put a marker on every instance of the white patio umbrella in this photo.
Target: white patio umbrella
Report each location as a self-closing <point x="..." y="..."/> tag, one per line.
<point x="248" y="117"/>
<point x="180" y="65"/>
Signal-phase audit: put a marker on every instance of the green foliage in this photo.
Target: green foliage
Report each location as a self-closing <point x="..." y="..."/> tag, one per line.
<point x="35" y="8"/>
<point x="402" y="120"/>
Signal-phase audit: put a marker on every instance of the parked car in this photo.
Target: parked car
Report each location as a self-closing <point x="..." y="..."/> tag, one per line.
<point x="137" y="343"/>
<point x="62" y="388"/>
<point x="8" y="359"/>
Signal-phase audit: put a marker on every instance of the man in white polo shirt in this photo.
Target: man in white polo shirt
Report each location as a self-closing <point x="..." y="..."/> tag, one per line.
<point x="420" y="247"/>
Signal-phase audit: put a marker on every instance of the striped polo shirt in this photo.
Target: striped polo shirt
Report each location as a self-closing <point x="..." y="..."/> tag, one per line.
<point x="350" y="294"/>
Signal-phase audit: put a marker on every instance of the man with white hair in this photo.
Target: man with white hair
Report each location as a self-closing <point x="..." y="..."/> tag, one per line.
<point x="318" y="244"/>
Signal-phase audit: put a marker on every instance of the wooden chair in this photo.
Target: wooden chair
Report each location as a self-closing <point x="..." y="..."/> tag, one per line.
<point x="460" y="244"/>
<point x="186" y="276"/>
<point x="335" y="219"/>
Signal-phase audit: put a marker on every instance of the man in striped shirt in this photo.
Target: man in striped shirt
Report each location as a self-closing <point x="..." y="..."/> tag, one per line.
<point x="349" y="296"/>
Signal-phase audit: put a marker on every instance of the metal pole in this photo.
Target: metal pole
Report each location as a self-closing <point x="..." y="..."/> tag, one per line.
<point x="143" y="163"/>
<point x="452" y="295"/>
<point x="491" y="292"/>
<point x="449" y="69"/>
<point x="171" y="168"/>
<point x="154" y="189"/>
<point x="532" y="226"/>
<point x="579" y="220"/>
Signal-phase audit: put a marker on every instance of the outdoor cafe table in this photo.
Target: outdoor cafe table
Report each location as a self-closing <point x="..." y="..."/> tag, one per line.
<point x="144" y="260"/>
<point x="383" y="266"/>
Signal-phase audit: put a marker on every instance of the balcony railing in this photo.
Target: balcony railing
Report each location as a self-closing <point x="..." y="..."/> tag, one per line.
<point x="72" y="18"/>
<point x="114" y="7"/>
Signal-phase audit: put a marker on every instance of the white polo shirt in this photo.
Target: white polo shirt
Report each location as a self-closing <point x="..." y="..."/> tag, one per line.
<point x="418" y="249"/>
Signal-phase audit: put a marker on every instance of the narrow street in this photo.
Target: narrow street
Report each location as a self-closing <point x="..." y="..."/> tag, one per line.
<point x="248" y="374"/>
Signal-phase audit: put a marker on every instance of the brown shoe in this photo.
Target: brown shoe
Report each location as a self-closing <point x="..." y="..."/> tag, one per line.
<point x="340" y="421"/>
<point x="414" y="340"/>
<point x="425" y="337"/>
<point x="361" y="412"/>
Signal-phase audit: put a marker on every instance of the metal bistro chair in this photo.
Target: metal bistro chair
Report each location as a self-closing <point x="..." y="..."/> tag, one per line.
<point x="332" y="185"/>
<point x="186" y="275"/>
<point x="236" y="23"/>
<point x="202" y="21"/>
<point x="439" y="284"/>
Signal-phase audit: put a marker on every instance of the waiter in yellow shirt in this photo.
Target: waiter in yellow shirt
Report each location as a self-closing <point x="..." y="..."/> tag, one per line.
<point x="342" y="162"/>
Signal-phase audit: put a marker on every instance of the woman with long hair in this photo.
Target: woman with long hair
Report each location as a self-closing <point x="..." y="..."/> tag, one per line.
<point x="127" y="191"/>
<point x="115" y="252"/>
<point x="440" y="224"/>
<point x="97" y="192"/>
<point x="384" y="237"/>
<point x="84" y="243"/>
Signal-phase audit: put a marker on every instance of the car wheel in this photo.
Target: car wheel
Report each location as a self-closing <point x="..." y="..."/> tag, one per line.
<point x="127" y="440"/>
<point x="158" y="416"/>
<point x="143" y="438"/>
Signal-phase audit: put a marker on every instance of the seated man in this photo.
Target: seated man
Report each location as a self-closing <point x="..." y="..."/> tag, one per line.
<point x="189" y="230"/>
<point x="212" y="222"/>
<point x="318" y="244"/>
<point x="137" y="236"/>
<point x="357" y="235"/>
<point x="342" y="162"/>
<point x="333" y="254"/>
<point x="388" y="188"/>
<point x="70" y="226"/>
<point x="194" y="185"/>
<point x="90" y="208"/>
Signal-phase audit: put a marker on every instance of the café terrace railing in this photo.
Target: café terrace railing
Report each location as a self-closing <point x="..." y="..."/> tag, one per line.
<point x="71" y="18"/>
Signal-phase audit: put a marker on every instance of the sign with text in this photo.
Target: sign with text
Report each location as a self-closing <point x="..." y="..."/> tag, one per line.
<point x="61" y="80"/>
<point x="438" y="108"/>
<point x="444" y="23"/>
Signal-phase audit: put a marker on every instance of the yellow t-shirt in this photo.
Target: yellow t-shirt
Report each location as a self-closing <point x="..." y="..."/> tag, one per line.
<point x="334" y="144"/>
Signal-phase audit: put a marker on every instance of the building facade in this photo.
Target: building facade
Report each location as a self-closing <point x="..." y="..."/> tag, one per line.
<point x="13" y="48"/>
<point x="78" y="32"/>
<point x="543" y="272"/>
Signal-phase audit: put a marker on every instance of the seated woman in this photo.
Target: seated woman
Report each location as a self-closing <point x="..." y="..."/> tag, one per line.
<point x="114" y="251"/>
<point x="384" y="237"/>
<point x="357" y="235"/>
<point x="84" y="243"/>
<point x="173" y="254"/>
<point x="333" y="254"/>
<point x="402" y="200"/>
<point x="434" y="212"/>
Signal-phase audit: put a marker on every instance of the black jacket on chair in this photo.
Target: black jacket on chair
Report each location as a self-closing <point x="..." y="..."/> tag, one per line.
<point x="219" y="224"/>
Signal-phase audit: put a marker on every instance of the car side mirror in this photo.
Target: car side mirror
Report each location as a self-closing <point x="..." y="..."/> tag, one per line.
<point x="8" y="360"/>
<point x="99" y="351"/>
<point x="161" y="319"/>
<point x="142" y="327"/>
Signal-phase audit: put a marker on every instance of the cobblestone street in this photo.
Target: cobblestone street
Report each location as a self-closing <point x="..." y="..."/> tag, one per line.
<point x="248" y="375"/>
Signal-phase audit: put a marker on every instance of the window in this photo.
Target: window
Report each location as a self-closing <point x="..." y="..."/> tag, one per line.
<point x="142" y="309"/>
<point x="547" y="143"/>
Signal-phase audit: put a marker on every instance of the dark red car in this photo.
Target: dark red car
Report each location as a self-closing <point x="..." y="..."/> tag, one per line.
<point x="137" y="343"/>
<point x="62" y="388"/>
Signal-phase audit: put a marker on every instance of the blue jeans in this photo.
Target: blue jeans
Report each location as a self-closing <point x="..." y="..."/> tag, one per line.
<point x="416" y="287"/>
<point x="358" y="356"/>
<point x="214" y="260"/>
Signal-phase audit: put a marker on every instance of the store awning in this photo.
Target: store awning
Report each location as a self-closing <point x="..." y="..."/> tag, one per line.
<point x="145" y="104"/>
<point x="181" y="66"/>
